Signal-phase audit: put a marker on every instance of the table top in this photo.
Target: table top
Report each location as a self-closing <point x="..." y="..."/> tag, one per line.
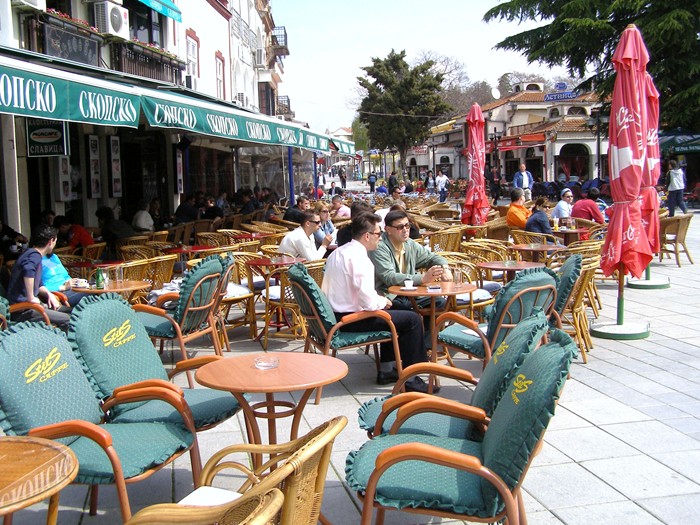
<point x="93" y="264"/>
<point x="446" y="288"/>
<point x="32" y="470"/>
<point x="569" y="230"/>
<point x="537" y="247"/>
<point x="188" y="249"/>
<point x="244" y="236"/>
<point x="509" y="265"/>
<point x="296" y="371"/>
<point x="116" y="286"/>
<point x="282" y="260"/>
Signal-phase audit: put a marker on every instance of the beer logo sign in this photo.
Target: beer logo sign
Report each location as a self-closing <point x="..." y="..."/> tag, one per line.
<point x="45" y="368"/>
<point x="119" y="336"/>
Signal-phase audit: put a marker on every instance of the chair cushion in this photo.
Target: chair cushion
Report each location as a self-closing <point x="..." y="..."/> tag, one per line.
<point x="207" y="496"/>
<point x="41" y="381"/>
<point x="156" y="325"/>
<point x="524" y="412"/>
<point x="478" y="296"/>
<point x="258" y="282"/>
<point x="207" y="266"/>
<point x="492" y="286"/>
<point x="346" y="339"/>
<point x="140" y="446"/>
<point x="568" y="275"/>
<point x="234" y="290"/>
<point x="455" y="336"/>
<point x="412" y="484"/>
<point x="298" y="273"/>
<point x="274" y="293"/>
<point x="209" y="407"/>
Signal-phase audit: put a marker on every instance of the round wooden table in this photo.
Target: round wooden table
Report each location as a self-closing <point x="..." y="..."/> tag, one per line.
<point x="509" y="267"/>
<point x="569" y="235"/>
<point x="34" y="469"/>
<point x="126" y="287"/>
<point x="296" y="371"/>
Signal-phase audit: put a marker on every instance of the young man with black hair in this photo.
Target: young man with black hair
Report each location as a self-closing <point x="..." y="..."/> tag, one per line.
<point x="25" y="281"/>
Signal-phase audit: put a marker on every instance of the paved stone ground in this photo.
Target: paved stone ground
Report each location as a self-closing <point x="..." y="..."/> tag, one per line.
<point x="623" y="447"/>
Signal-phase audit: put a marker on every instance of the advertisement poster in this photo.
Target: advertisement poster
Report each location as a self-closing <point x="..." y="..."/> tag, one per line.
<point x="115" y="176"/>
<point x="64" y="189"/>
<point x="180" y="186"/>
<point x="47" y="138"/>
<point x="94" y="166"/>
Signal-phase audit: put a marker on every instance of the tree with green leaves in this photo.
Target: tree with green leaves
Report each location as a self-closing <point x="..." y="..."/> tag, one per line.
<point x="359" y="135"/>
<point x="583" y="36"/>
<point x="400" y="103"/>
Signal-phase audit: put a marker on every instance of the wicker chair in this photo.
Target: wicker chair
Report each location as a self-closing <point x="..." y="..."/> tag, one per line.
<point x="79" y="271"/>
<point x="66" y="250"/>
<point x="248" y="246"/>
<point x="159" y="270"/>
<point x="159" y="246"/>
<point x="271" y="227"/>
<point x="211" y="239"/>
<point x="161" y="235"/>
<point x="177" y="233"/>
<point x="498" y="229"/>
<point x="272" y="250"/>
<point x="254" y="508"/>
<point x="524" y="237"/>
<point x="94" y="251"/>
<point x="272" y="239"/>
<point x="130" y="241"/>
<point x="238" y="295"/>
<point x="446" y="240"/>
<point x="133" y="252"/>
<point x="202" y="225"/>
<point x="673" y="231"/>
<point x="474" y="302"/>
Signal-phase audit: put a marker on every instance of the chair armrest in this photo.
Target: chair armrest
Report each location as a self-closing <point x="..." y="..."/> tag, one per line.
<point x="146" y="384"/>
<point x="25" y="305"/>
<point x="448" y="372"/>
<point x="360" y="316"/>
<point x="438" y="405"/>
<point x="177" y="400"/>
<point x="192" y="363"/>
<point x="62" y="298"/>
<point x="166" y="297"/>
<point x="456" y="318"/>
<point x="74" y="427"/>
<point x="148" y="309"/>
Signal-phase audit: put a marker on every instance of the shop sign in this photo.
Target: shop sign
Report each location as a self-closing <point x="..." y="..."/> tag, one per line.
<point x="47" y="138"/>
<point x="564" y="95"/>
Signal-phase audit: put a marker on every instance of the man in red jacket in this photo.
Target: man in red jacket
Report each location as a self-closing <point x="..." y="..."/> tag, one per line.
<point x="587" y="208"/>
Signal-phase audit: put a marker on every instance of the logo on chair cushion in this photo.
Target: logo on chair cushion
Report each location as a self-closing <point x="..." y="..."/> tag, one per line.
<point x="119" y="335"/>
<point x="499" y="352"/>
<point x="520" y="385"/>
<point x="45" y="368"/>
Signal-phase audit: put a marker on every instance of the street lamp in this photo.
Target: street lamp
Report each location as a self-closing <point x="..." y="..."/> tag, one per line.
<point x="494" y="137"/>
<point x="594" y="124"/>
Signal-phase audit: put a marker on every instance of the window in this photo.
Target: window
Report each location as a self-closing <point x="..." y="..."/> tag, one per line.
<point x="220" y="92"/>
<point x="146" y="24"/>
<point x="576" y="110"/>
<point x="554" y="113"/>
<point x="192" y="56"/>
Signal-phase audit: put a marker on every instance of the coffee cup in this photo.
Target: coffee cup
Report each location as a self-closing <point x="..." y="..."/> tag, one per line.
<point x="408" y="283"/>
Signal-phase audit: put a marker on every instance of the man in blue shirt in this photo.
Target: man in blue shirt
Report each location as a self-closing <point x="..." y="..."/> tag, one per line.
<point x="523" y="179"/>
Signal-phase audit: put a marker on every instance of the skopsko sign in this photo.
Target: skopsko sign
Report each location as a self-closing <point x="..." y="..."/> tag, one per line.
<point x="180" y="113"/>
<point x="35" y="95"/>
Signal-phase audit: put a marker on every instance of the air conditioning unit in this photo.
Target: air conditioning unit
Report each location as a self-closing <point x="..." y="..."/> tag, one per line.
<point x="112" y="19"/>
<point x="242" y="99"/>
<point x="260" y="62"/>
<point x="191" y="82"/>
<point x="281" y="117"/>
<point x="39" y="5"/>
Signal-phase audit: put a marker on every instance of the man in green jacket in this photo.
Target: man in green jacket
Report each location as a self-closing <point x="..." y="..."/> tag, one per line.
<point x="398" y="258"/>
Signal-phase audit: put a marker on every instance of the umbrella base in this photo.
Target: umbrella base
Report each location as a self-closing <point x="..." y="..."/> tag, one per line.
<point x="625" y="331"/>
<point x="655" y="283"/>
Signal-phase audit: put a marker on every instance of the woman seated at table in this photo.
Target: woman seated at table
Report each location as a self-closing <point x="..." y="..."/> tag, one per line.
<point x="326" y="227"/>
<point x="538" y="222"/>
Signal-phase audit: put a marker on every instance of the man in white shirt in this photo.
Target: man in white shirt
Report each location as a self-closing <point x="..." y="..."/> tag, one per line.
<point x="348" y="283"/>
<point x="301" y="243"/>
<point x="338" y="209"/>
<point x="524" y="180"/>
<point x="441" y="183"/>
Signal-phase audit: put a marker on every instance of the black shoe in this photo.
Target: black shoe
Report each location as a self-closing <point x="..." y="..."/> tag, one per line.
<point x="418" y="385"/>
<point x="384" y="378"/>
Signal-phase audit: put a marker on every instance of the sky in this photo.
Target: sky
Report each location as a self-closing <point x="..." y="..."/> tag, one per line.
<point x="330" y="40"/>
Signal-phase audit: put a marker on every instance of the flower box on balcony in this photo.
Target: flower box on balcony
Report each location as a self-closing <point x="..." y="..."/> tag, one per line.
<point x="156" y="53"/>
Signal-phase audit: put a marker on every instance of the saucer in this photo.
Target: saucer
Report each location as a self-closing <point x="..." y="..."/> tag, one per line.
<point x="409" y="288"/>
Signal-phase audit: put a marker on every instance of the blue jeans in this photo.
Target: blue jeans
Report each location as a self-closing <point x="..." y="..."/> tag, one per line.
<point x="443" y="195"/>
<point x="675" y="198"/>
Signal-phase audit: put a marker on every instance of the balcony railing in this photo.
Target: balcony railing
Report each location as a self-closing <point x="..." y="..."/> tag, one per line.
<point x="279" y="41"/>
<point x="284" y="106"/>
<point x="137" y="59"/>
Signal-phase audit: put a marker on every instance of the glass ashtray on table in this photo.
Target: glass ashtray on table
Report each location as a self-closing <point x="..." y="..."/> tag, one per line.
<point x="266" y="362"/>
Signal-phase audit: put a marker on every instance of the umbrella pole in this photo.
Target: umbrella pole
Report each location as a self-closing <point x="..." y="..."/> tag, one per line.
<point x="621" y="295"/>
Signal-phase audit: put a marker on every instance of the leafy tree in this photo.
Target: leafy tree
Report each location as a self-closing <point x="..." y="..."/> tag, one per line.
<point x="582" y="35"/>
<point x="401" y="102"/>
<point x="359" y="135"/>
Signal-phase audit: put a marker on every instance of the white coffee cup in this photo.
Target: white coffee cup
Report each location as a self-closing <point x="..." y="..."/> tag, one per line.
<point x="408" y="283"/>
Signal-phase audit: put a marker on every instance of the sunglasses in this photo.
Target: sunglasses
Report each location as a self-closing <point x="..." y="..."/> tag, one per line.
<point x="406" y="226"/>
<point x="315" y="222"/>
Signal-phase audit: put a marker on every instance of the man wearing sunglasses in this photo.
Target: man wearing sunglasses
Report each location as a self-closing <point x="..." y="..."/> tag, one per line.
<point x="398" y="258"/>
<point x="301" y="243"/>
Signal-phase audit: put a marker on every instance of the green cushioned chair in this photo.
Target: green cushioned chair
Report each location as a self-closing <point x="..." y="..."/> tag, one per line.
<point x="506" y="360"/>
<point x="568" y="274"/>
<point x="193" y="315"/>
<point x="115" y="351"/>
<point x="477" y="480"/>
<point x="44" y="393"/>
<point x="324" y="332"/>
<point x="531" y="289"/>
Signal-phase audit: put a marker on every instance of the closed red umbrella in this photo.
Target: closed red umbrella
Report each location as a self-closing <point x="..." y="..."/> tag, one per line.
<point x="652" y="168"/>
<point x="476" y="204"/>
<point x="626" y="245"/>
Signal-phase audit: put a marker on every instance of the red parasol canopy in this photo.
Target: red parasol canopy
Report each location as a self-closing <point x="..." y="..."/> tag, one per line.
<point x="626" y="243"/>
<point x="652" y="168"/>
<point x="476" y="204"/>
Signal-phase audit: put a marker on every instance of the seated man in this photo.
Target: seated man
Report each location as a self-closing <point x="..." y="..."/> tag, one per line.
<point x="587" y="208"/>
<point x="74" y="234"/>
<point x="349" y="285"/>
<point x="301" y="243"/>
<point x="397" y="259"/>
<point x="344" y="234"/>
<point x="382" y="189"/>
<point x="338" y="209"/>
<point x="517" y="213"/>
<point x="26" y="281"/>
<point x="112" y="229"/>
<point x="296" y="213"/>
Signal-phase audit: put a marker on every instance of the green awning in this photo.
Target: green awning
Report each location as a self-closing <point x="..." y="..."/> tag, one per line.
<point x="164" y="7"/>
<point x="170" y="110"/>
<point x="33" y="90"/>
<point x="344" y="147"/>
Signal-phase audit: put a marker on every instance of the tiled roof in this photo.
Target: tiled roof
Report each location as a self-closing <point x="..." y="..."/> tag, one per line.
<point x="533" y="97"/>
